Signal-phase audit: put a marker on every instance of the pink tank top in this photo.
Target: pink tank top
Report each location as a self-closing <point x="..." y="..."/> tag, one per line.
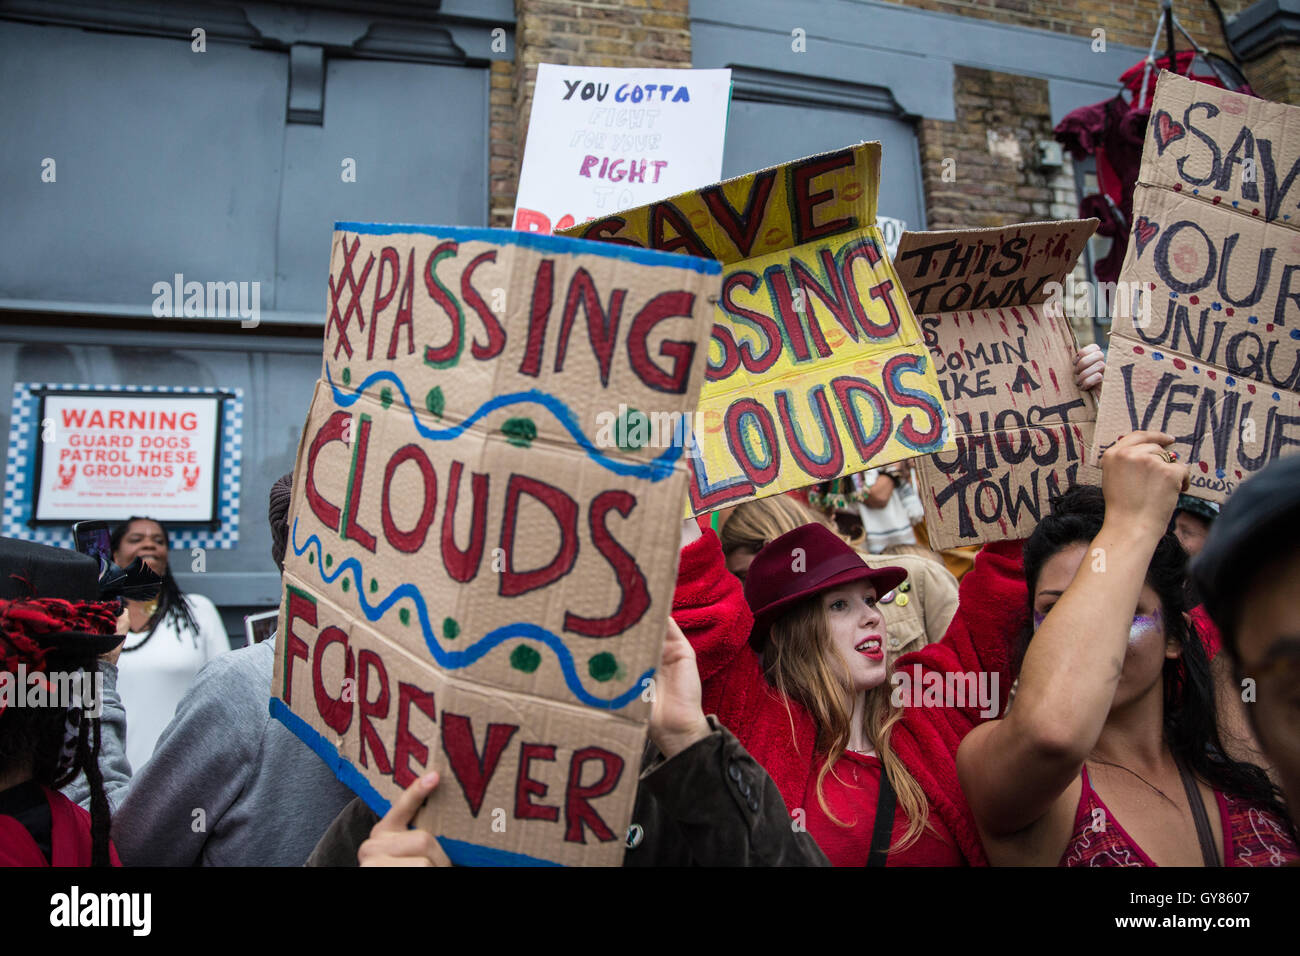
<point x="1252" y="835"/>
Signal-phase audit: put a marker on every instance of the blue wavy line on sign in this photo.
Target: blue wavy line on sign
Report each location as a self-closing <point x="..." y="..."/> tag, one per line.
<point x="655" y="470"/>
<point x="455" y="660"/>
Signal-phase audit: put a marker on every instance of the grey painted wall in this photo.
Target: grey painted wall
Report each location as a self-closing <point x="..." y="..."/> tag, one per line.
<point x="172" y="161"/>
<point x="276" y="375"/>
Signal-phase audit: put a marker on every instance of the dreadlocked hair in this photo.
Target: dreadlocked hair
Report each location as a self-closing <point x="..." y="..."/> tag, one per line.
<point x="1191" y="724"/>
<point x="171" y="599"/>
<point x="33" y="736"/>
<point x="799" y="661"/>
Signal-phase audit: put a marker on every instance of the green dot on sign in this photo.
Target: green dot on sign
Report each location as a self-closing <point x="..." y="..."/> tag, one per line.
<point x="346" y="584"/>
<point x="434" y="401"/>
<point x="374" y="585"/>
<point x="386" y="396"/>
<point x="347" y="376"/>
<point x="404" y="615"/>
<point x="524" y="658"/>
<point x="311" y="557"/>
<point x="632" y="430"/>
<point x="329" y="559"/>
<point x="603" y="666"/>
<point x="519" y="431"/>
<point x="450" y="629"/>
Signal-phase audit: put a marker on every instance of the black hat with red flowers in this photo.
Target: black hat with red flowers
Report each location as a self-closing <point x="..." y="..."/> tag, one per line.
<point x="50" y="606"/>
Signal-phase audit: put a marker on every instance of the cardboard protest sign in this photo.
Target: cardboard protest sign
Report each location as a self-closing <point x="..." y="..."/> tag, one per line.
<point x="602" y="139"/>
<point x="816" y="364"/>
<point x="472" y="585"/>
<point x="989" y="305"/>
<point x="1214" y="358"/>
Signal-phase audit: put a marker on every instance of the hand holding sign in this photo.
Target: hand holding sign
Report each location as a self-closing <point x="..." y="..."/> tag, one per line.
<point x="393" y="843"/>
<point x="676" y="714"/>
<point x="1141" y="483"/>
<point x="1089" y="366"/>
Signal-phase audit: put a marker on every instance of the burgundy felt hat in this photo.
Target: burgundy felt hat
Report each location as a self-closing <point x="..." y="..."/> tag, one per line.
<point x="799" y="564"/>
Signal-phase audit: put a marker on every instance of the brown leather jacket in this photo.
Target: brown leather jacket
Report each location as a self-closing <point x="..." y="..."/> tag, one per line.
<point x="710" y="805"/>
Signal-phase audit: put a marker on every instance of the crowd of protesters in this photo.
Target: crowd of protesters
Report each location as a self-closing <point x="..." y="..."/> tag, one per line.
<point x="1129" y="673"/>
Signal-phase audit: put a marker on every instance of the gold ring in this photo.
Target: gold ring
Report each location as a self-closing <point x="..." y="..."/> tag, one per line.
<point x="1168" y="456"/>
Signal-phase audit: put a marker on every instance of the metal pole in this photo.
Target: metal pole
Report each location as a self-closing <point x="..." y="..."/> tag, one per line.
<point x="1169" y="26"/>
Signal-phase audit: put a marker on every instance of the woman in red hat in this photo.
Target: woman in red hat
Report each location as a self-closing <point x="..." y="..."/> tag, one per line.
<point x="804" y="687"/>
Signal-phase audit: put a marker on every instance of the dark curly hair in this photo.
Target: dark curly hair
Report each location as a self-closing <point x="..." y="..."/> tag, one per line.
<point x="1191" y="717"/>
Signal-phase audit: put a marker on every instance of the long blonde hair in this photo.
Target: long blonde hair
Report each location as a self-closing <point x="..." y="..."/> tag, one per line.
<point x="802" y="663"/>
<point x="755" y="524"/>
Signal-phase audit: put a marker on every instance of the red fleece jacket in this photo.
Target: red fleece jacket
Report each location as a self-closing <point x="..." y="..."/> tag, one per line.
<point x="709" y="606"/>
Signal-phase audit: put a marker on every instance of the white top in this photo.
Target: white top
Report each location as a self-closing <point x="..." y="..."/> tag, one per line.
<point x="886" y="527"/>
<point x="152" y="679"/>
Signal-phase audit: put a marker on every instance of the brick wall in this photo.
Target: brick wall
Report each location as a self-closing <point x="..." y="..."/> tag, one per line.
<point x="981" y="169"/>
<point x="1276" y="75"/>
<point x="999" y="116"/>
<point x="583" y="32"/>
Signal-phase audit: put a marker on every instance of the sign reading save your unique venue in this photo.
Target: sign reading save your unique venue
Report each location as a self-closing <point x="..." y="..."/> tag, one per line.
<point x="816" y="364"/>
<point x="1216" y="232"/>
<point x="990" y="307"/>
<point x="473" y="585"/>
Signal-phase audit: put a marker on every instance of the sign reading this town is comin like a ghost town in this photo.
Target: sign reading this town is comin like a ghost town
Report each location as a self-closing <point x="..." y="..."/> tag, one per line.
<point x="472" y="584"/>
<point x="816" y="368"/>
<point x="1216" y="235"/>
<point x="988" y="303"/>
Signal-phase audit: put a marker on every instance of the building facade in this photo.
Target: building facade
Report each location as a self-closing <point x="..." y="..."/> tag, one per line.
<point x="219" y="142"/>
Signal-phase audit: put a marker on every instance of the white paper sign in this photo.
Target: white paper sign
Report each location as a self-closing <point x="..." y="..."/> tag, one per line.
<point x="112" y="456"/>
<point x="602" y="139"/>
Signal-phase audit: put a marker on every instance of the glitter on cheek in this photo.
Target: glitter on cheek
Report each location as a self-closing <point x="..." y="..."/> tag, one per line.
<point x="1143" y="624"/>
<point x="1039" y="617"/>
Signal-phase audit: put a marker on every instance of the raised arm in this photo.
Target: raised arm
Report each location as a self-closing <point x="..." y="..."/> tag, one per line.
<point x="709" y="603"/>
<point x="113" y="765"/>
<point x="1013" y="770"/>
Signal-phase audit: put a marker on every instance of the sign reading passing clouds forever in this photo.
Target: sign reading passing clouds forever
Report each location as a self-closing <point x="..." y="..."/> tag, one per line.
<point x="1005" y="357"/>
<point x="816" y="365"/>
<point x="1216" y="235"/>
<point x="472" y="584"/>
<point x="602" y="139"/>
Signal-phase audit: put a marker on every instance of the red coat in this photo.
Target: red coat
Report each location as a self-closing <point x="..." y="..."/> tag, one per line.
<point x="70" y="838"/>
<point x="709" y="605"/>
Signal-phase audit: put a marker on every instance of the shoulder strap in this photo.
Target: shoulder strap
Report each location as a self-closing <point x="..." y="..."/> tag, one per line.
<point x="1208" y="852"/>
<point x="886" y="803"/>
